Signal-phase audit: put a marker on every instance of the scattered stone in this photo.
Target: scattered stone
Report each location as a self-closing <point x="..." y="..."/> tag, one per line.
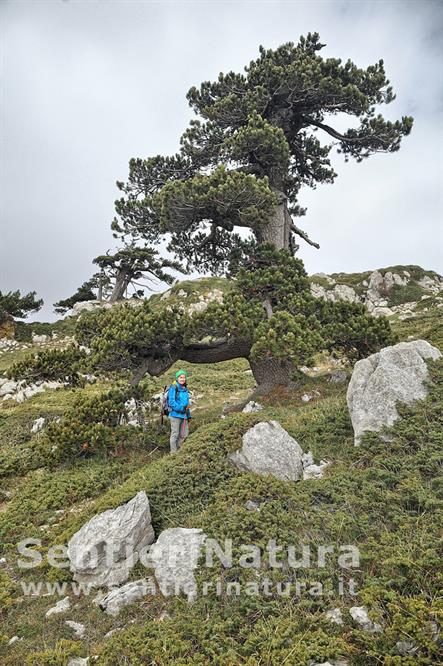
<point x="315" y="471"/>
<point x="340" y="662"/>
<point x="252" y="407"/>
<point x="360" y="615"/>
<point x="112" y="632"/>
<point x="338" y="376"/>
<point x="250" y="505"/>
<point x="307" y="459"/>
<point x="174" y="557"/>
<point x="113" y="602"/>
<point x="164" y="615"/>
<point x="79" y="629"/>
<point x="78" y="661"/>
<point x="60" y="607"/>
<point x="8" y="387"/>
<point x="105" y="549"/>
<point x="378" y="381"/>
<point x="38" y="424"/>
<point x="13" y="640"/>
<point x="306" y="397"/>
<point x="39" y="338"/>
<point x="268" y="449"/>
<point x="335" y="616"/>
<point x="406" y="648"/>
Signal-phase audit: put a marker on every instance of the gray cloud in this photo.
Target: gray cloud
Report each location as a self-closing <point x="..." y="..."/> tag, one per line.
<point x="88" y="85"/>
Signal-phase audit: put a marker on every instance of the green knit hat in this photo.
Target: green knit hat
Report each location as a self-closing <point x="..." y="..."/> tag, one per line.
<point x="181" y="372"/>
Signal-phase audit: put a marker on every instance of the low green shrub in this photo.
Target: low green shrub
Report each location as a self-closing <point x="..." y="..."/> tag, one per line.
<point x="51" y="365"/>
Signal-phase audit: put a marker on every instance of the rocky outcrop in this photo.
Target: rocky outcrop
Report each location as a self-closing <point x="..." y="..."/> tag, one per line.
<point x="204" y="300"/>
<point x="21" y="391"/>
<point x="378" y="381"/>
<point x="375" y="291"/>
<point x="174" y="557"/>
<point x="268" y="449"/>
<point x="105" y="549"/>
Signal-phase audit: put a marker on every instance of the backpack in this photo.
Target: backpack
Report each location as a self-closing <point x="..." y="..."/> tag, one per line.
<point x="165" y="407"/>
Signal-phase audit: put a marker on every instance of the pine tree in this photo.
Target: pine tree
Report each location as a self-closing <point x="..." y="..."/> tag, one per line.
<point x="240" y="168"/>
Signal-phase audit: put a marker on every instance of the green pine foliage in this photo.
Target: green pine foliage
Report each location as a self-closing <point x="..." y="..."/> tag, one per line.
<point x="51" y="365"/>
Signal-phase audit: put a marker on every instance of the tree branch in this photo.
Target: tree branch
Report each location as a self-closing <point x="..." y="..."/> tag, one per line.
<point x="303" y="235"/>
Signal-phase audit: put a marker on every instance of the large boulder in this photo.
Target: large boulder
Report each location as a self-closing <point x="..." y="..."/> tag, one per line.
<point x="105" y="549"/>
<point x="378" y="381"/>
<point x="268" y="449"/>
<point x="174" y="557"/>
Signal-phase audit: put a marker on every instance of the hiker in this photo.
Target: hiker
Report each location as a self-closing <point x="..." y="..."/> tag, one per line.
<point x="179" y="413"/>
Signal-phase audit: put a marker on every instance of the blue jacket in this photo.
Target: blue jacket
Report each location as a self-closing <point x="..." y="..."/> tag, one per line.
<point x="180" y="405"/>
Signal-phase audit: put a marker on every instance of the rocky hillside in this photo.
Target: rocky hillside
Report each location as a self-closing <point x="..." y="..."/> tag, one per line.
<point x="330" y="495"/>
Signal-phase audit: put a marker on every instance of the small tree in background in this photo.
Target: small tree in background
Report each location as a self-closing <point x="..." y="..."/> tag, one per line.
<point x="132" y="264"/>
<point x="13" y="305"/>
<point x="84" y="293"/>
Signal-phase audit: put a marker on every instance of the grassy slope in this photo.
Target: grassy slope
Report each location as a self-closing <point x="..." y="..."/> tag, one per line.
<point x="383" y="498"/>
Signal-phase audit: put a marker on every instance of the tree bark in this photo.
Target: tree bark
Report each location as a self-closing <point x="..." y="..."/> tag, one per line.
<point x="277" y="231"/>
<point x="122" y="280"/>
<point x="272" y="372"/>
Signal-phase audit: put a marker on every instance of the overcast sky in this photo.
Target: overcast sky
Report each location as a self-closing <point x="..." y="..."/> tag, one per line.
<point x="86" y="85"/>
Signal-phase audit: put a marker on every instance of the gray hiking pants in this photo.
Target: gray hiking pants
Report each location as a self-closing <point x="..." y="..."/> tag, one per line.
<point x="179" y="432"/>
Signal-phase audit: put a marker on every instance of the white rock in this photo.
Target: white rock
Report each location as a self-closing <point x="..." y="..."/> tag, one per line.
<point x="360" y="615"/>
<point x="87" y="350"/>
<point x="174" y="557"/>
<point x="268" y="449"/>
<point x="79" y="629"/>
<point x="105" y="549"/>
<point x="335" y="616"/>
<point x="307" y="459"/>
<point x="315" y="471"/>
<point x="39" y="338"/>
<point x="252" y="506"/>
<point x="252" y="407"/>
<point x="112" y="632"/>
<point x="8" y="387"/>
<point x="78" y="661"/>
<point x="38" y="424"/>
<point x="60" y="607"/>
<point x="406" y="648"/>
<point x="85" y="306"/>
<point x="13" y="640"/>
<point x="29" y="391"/>
<point x="306" y="397"/>
<point x="394" y="373"/>
<point x="19" y="396"/>
<point x="113" y="602"/>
